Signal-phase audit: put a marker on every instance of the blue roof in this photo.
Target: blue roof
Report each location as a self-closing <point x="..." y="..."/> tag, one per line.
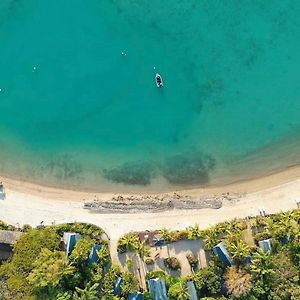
<point x="265" y="245"/>
<point x="117" y="286"/>
<point x="135" y="296"/>
<point x="93" y="255"/>
<point x="192" y="290"/>
<point x="222" y="253"/>
<point x="157" y="288"/>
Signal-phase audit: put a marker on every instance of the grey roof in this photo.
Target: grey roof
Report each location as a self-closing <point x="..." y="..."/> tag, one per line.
<point x="70" y="239"/>
<point x="9" y="237"/>
<point x="266" y="245"/>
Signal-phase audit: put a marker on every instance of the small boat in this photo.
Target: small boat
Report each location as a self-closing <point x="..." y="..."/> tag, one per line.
<point x="158" y="80"/>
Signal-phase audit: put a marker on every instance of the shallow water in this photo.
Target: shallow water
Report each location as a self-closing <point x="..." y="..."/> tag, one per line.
<point x="75" y="111"/>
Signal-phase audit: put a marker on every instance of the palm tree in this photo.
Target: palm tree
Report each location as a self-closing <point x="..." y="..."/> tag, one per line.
<point x="194" y="233"/>
<point x="221" y="227"/>
<point x="239" y="250"/>
<point x="128" y="242"/>
<point x="238" y="282"/>
<point x="166" y="234"/>
<point x="182" y="292"/>
<point x="90" y="292"/>
<point x="179" y="291"/>
<point x="103" y="255"/>
<point x="262" y="265"/>
<point x="211" y="238"/>
<point x="143" y="250"/>
<point x="233" y="237"/>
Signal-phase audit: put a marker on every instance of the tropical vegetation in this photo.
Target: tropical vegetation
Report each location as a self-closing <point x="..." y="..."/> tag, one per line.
<point x="40" y="268"/>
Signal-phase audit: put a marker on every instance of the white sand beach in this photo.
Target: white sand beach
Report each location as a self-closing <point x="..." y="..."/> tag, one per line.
<point x="26" y="203"/>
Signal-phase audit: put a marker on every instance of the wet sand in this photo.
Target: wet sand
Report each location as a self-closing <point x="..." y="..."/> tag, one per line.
<point x="27" y="203"/>
<point x="241" y="188"/>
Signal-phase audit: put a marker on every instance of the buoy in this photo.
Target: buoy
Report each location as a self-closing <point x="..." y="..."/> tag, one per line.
<point x="34" y="68"/>
<point x="154" y="68"/>
<point x="123" y="53"/>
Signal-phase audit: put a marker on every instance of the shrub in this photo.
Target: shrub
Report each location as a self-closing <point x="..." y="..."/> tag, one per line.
<point x="180" y="235"/>
<point x="156" y="274"/>
<point x="110" y="278"/>
<point x="5" y="226"/>
<point x="192" y="260"/>
<point x="149" y="261"/>
<point x="208" y="280"/>
<point x="148" y="296"/>
<point x="86" y="230"/>
<point x="179" y="290"/>
<point x="172" y="263"/>
<point x="26" y="227"/>
<point x="128" y="242"/>
<point x="262" y="236"/>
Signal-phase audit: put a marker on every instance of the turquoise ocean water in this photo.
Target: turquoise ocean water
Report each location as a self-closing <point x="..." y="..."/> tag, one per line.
<point x="76" y="112"/>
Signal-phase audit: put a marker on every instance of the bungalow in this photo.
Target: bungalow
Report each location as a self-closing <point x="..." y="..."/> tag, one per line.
<point x="157" y="288"/>
<point x="94" y="255"/>
<point x="222" y="253"/>
<point x="265" y="245"/>
<point x="117" y="286"/>
<point x="192" y="290"/>
<point x="135" y="296"/>
<point x="70" y="239"/>
<point x="7" y="239"/>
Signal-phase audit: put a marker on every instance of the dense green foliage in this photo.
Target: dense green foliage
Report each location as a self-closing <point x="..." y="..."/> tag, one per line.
<point x="178" y="291"/>
<point x="40" y="269"/>
<point x="268" y="275"/>
<point x="208" y="280"/>
<point x="5" y="226"/>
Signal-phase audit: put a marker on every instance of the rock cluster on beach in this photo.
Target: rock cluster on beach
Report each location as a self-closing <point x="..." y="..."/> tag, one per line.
<point x="152" y="203"/>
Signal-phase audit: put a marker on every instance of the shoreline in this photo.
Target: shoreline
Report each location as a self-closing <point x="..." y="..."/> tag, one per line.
<point x="241" y="187"/>
<point x="31" y="204"/>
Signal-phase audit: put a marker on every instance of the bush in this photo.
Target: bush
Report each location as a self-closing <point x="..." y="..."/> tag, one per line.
<point x="128" y="242"/>
<point x="149" y="261"/>
<point x="262" y="236"/>
<point x="156" y="274"/>
<point x="180" y="235"/>
<point x="208" y="280"/>
<point x="192" y="260"/>
<point x="86" y="230"/>
<point x="26" y="227"/>
<point x="5" y="226"/>
<point x="148" y="296"/>
<point x="110" y="278"/>
<point x="172" y="263"/>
